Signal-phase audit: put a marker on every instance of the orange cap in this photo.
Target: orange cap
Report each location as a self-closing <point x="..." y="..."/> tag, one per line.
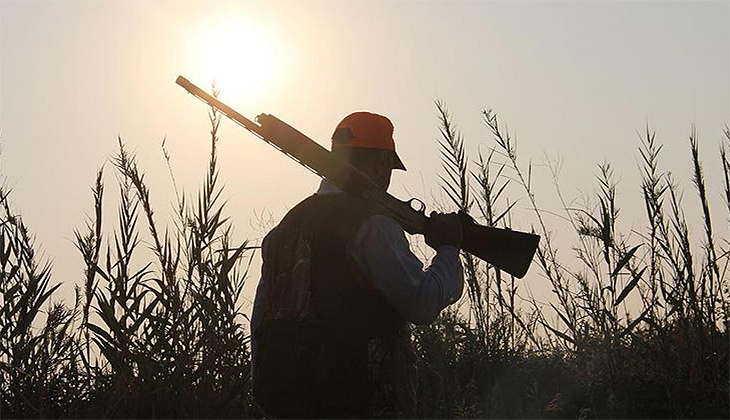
<point x="368" y="131"/>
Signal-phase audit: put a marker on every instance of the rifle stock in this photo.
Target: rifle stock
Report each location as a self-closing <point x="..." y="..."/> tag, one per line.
<point x="505" y="249"/>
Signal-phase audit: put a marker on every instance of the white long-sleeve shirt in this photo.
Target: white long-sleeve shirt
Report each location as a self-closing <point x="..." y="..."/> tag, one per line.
<point x="382" y="252"/>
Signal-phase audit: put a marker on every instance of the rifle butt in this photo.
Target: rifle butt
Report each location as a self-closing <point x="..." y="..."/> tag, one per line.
<point x="505" y="249"/>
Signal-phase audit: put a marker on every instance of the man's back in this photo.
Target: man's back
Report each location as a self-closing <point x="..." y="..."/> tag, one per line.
<point x="321" y="332"/>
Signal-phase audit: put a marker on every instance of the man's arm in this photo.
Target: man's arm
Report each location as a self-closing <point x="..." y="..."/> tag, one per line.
<point x="383" y="254"/>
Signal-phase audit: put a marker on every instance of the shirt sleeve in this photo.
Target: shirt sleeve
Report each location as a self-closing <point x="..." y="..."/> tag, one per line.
<point x="383" y="254"/>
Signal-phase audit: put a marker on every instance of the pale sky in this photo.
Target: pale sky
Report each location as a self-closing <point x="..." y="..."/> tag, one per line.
<point x="574" y="80"/>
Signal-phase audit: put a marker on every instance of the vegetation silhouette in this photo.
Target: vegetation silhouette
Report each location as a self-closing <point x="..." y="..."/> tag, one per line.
<point x="167" y="338"/>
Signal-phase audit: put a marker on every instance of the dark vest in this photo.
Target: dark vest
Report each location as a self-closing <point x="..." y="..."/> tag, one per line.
<point x="322" y="318"/>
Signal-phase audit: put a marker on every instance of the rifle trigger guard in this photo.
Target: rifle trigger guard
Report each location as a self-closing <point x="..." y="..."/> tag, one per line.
<point x="417" y="205"/>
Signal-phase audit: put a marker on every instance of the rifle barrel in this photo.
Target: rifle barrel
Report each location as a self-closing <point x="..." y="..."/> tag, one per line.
<point x="215" y="103"/>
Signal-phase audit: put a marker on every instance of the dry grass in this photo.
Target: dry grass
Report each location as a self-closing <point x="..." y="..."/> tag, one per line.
<point x="670" y="361"/>
<point x="166" y="337"/>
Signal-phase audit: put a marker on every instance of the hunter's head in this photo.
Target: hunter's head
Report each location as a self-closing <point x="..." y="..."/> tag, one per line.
<point x="365" y="140"/>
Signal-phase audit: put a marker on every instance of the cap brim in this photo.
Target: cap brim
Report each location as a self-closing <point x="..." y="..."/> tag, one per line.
<point x="397" y="163"/>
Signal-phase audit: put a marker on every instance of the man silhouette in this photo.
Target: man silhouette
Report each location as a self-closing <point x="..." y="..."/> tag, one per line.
<point x="339" y="286"/>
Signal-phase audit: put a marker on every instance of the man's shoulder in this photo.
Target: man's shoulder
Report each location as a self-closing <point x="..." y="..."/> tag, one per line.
<point x="292" y="217"/>
<point x="380" y="227"/>
<point x="383" y="220"/>
<point x="337" y="210"/>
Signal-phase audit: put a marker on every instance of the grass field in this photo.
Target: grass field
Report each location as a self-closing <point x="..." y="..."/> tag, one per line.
<point x="167" y="337"/>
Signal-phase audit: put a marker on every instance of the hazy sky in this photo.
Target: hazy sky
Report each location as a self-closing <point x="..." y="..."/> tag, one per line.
<point x="574" y="80"/>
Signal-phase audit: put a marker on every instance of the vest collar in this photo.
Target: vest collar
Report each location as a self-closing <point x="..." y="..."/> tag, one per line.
<point x="326" y="187"/>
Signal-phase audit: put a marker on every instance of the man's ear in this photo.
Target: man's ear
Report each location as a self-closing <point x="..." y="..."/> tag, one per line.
<point x="341" y="153"/>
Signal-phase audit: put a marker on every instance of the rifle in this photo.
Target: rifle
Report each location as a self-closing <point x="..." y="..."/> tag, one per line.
<point x="505" y="249"/>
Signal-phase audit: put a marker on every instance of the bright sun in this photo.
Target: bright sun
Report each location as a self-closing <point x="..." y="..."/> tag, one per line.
<point x="238" y="56"/>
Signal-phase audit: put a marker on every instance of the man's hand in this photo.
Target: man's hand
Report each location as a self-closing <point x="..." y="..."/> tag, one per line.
<point x="443" y="229"/>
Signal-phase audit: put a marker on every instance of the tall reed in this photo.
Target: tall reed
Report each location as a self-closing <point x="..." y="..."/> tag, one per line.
<point x="637" y="328"/>
<point x="171" y="333"/>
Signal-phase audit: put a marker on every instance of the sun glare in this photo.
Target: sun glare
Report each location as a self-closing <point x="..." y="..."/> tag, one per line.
<point x="239" y="57"/>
